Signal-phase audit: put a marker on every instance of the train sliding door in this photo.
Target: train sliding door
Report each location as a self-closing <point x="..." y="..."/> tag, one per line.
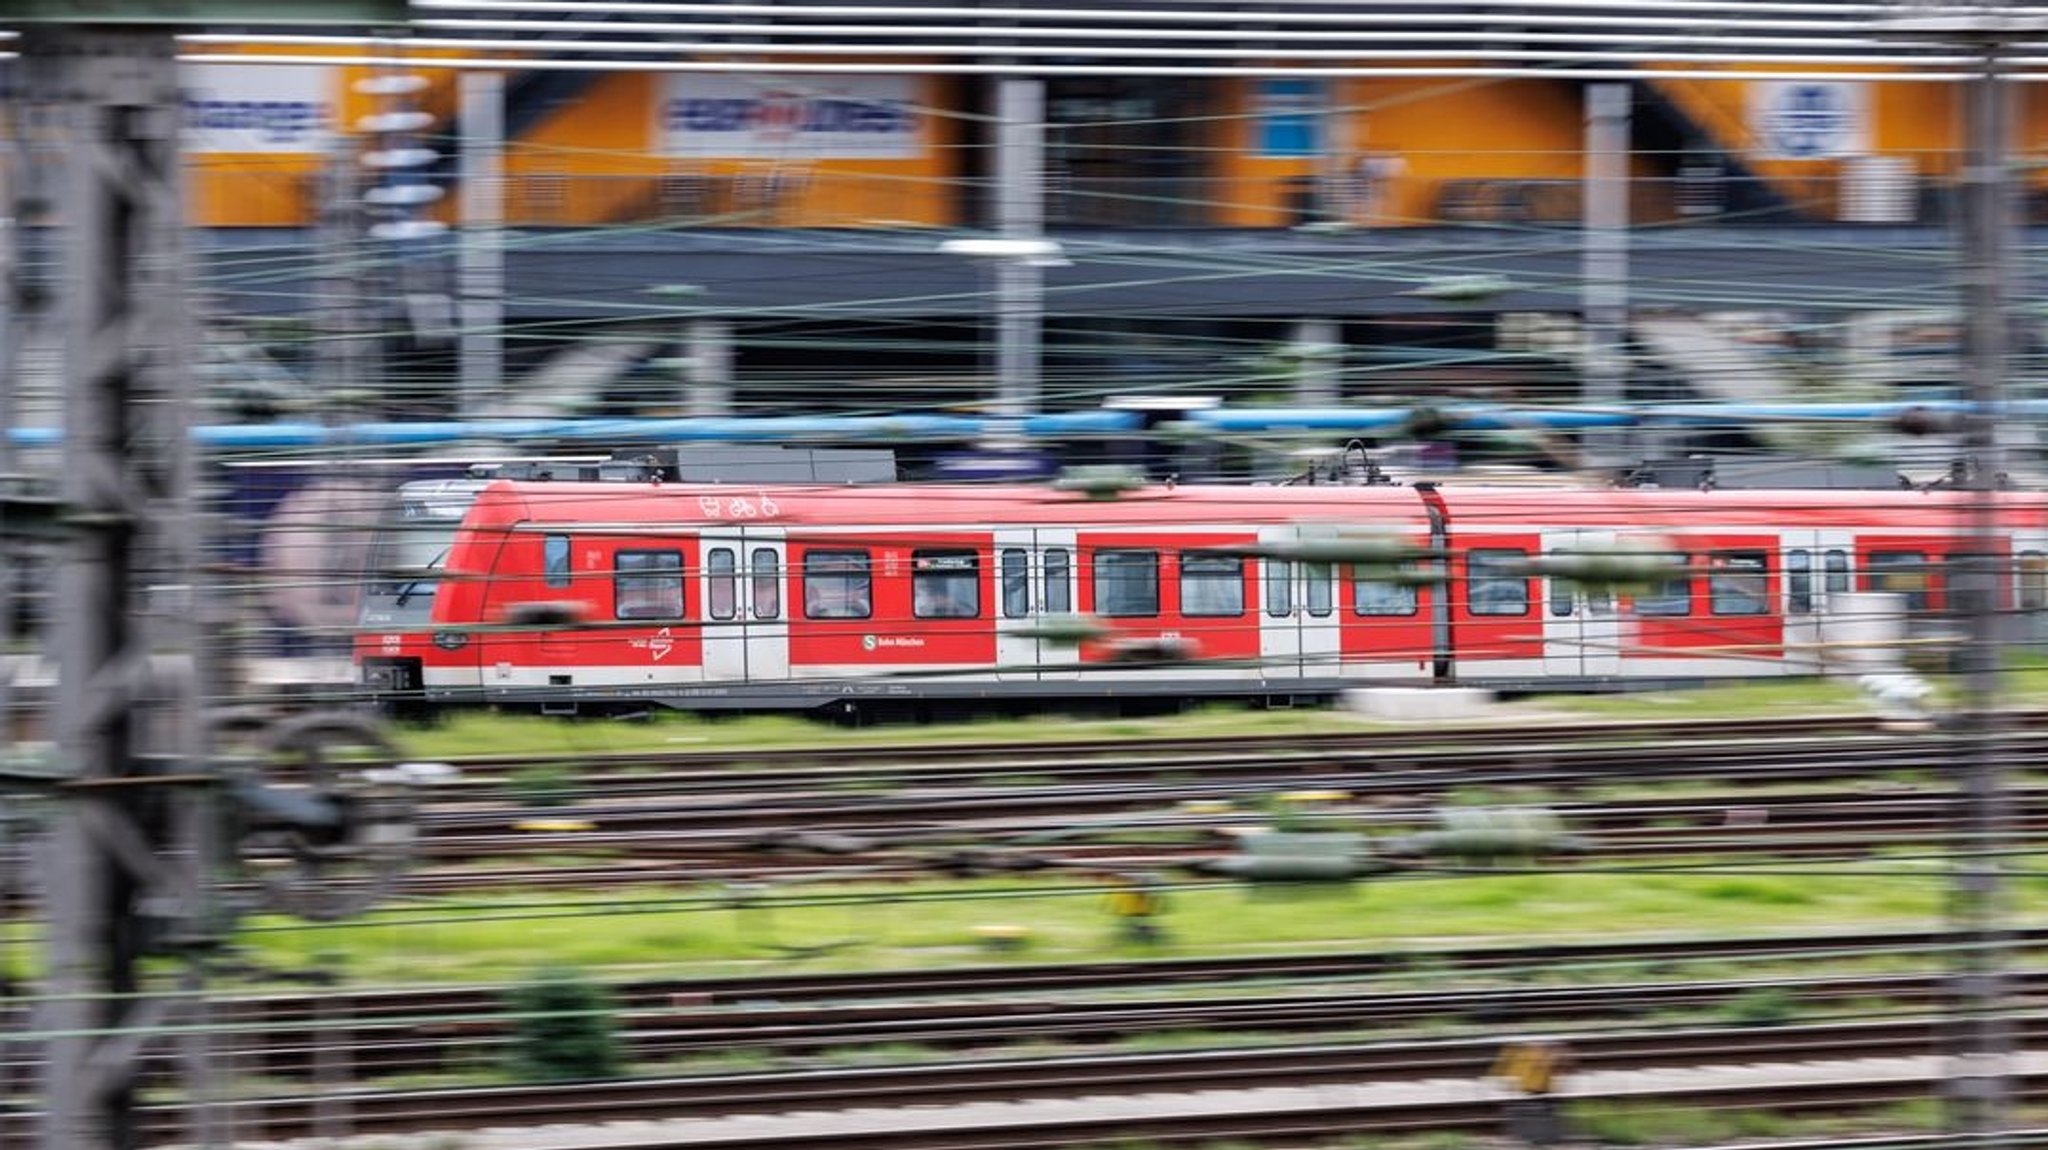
<point x="1298" y="622"/>
<point x="1816" y="564"/>
<point x="745" y="575"/>
<point x="1034" y="580"/>
<point x="1581" y="631"/>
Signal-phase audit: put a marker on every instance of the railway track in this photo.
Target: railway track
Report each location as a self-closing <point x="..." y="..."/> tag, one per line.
<point x="463" y="1029"/>
<point x="639" y="811"/>
<point x="684" y="1030"/>
<point x="1530" y="756"/>
<point x="819" y="1092"/>
<point x="884" y="837"/>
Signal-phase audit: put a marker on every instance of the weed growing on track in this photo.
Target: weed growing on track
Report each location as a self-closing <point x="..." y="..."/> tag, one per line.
<point x="564" y="1028"/>
<point x="1662" y="1124"/>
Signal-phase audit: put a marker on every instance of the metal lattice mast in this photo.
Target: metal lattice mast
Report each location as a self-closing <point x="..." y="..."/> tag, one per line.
<point x="1980" y="1094"/>
<point x="127" y="716"/>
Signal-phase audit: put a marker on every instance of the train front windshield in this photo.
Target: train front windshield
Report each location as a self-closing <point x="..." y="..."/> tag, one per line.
<point x="411" y="549"/>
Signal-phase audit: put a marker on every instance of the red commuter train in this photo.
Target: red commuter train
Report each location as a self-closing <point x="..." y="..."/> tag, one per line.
<point x="597" y="595"/>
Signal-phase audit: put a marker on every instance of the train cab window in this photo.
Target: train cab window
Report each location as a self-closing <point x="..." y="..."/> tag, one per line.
<point x="648" y="584"/>
<point x="1015" y="564"/>
<point x="1799" y="582"/>
<point x="1668" y="597"/>
<point x="945" y="584"/>
<point x="554" y="560"/>
<point x="2033" y="581"/>
<point x="1370" y="596"/>
<point x="1319" y="588"/>
<point x="1279" y="588"/>
<point x="1899" y="572"/>
<point x="721" y="583"/>
<point x="1058" y="598"/>
<point x="1211" y="586"/>
<point x="765" y="575"/>
<point x="1835" y="565"/>
<point x="1737" y="585"/>
<point x="837" y="585"/>
<point x="1494" y="583"/>
<point x="1564" y="596"/>
<point x="1126" y="583"/>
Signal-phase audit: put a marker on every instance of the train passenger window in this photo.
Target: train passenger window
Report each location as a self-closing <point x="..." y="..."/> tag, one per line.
<point x="1016" y="569"/>
<point x="721" y="579"/>
<point x="2033" y="581"/>
<point x="1972" y="582"/>
<point x="1211" y="586"/>
<point x="1381" y="596"/>
<point x="1494" y="583"/>
<point x="1319" y="581"/>
<point x="1900" y="572"/>
<point x="1279" y="588"/>
<point x="554" y="560"/>
<point x="1564" y="596"/>
<point x="765" y="572"/>
<point x="945" y="584"/>
<point x="1126" y="583"/>
<point x="1058" y="566"/>
<point x="837" y="585"/>
<point x="1799" y="582"/>
<point x="1836" y="564"/>
<point x="648" y="584"/>
<point x="1599" y="600"/>
<point x="1737" y="585"/>
<point x="1667" y="597"/>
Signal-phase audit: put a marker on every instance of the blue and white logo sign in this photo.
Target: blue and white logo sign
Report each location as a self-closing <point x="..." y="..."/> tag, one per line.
<point x="808" y="118"/>
<point x="258" y="107"/>
<point x="1809" y="120"/>
<point x="1291" y="117"/>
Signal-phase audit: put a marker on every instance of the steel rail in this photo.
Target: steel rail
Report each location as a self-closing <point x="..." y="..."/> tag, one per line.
<point x="437" y="1030"/>
<point x="453" y="1043"/>
<point x="961" y="1081"/>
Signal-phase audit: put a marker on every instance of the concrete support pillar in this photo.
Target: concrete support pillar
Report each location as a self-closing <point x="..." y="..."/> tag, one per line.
<point x="1020" y="215"/>
<point x="1317" y="350"/>
<point x="707" y="352"/>
<point x="1605" y="266"/>
<point x="480" y="256"/>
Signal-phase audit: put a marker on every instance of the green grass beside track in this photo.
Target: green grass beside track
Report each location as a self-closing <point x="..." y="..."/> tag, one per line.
<point x="706" y="930"/>
<point x="478" y="733"/>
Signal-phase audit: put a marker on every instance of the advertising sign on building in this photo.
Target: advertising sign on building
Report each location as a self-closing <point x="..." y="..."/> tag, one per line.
<point x="1809" y="119"/>
<point x="1290" y="117"/>
<point x="258" y="107"/>
<point x="802" y="118"/>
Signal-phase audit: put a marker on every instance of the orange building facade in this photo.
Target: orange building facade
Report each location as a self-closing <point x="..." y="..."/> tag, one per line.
<point x="904" y="149"/>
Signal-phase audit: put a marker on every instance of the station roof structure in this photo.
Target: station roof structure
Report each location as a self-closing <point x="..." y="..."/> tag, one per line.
<point x="1586" y="38"/>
